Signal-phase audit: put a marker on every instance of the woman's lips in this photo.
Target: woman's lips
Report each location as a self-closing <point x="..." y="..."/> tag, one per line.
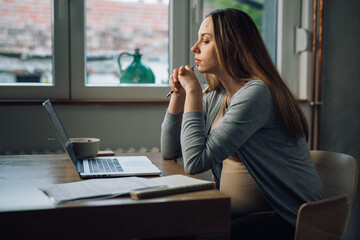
<point x="197" y="60"/>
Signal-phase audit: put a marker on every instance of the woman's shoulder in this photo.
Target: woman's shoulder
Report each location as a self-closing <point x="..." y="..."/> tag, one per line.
<point x="254" y="92"/>
<point x="256" y="83"/>
<point x="254" y="88"/>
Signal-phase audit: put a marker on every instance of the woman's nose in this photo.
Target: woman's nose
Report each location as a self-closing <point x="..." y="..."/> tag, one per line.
<point x="195" y="48"/>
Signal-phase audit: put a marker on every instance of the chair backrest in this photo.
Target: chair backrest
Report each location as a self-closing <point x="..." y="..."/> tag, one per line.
<point x="338" y="173"/>
<point x="327" y="219"/>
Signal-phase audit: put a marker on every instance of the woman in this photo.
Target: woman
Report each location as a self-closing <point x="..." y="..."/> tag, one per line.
<point x="246" y="126"/>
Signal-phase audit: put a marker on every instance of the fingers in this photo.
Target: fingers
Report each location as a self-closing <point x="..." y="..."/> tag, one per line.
<point x="188" y="68"/>
<point x="174" y="84"/>
<point x="175" y="74"/>
<point x="174" y="78"/>
<point x="182" y="70"/>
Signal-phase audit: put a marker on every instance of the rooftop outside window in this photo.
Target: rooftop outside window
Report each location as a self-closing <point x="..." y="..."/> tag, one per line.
<point x="25" y="42"/>
<point x="121" y="26"/>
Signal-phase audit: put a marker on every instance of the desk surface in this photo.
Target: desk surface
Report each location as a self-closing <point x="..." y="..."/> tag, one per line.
<point x="205" y="213"/>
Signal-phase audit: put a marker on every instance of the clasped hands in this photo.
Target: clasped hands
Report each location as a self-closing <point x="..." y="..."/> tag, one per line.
<point x="183" y="80"/>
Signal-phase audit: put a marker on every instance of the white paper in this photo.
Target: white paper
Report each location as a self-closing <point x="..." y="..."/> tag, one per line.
<point x="98" y="188"/>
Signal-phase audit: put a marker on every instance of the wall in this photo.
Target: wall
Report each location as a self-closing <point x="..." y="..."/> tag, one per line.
<point x="26" y="128"/>
<point x="340" y="118"/>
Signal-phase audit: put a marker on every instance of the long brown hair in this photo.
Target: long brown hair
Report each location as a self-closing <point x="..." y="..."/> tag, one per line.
<point x="242" y="54"/>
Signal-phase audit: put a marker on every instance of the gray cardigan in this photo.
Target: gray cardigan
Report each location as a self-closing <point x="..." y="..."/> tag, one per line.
<point x="281" y="167"/>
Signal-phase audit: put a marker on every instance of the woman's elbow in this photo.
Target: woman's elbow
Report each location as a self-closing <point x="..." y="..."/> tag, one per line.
<point x="168" y="156"/>
<point x="192" y="168"/>
<point x="188" y="170"/>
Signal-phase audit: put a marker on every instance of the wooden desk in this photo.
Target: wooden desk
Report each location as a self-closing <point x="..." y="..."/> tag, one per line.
<point x="26" y="212"/>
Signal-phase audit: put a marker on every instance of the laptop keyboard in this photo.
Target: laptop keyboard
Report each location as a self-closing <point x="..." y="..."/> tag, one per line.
<point x="104" y="165"/>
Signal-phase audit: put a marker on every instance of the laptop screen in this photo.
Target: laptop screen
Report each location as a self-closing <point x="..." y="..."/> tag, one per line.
<point x="63" y="137"/>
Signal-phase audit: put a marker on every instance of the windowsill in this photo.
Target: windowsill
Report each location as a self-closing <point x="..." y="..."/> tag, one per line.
<point x="100" y="102"/>
<point x="86" y="102"/>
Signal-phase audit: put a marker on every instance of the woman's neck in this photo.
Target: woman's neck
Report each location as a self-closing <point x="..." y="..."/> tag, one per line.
<point x="231" y="86"/>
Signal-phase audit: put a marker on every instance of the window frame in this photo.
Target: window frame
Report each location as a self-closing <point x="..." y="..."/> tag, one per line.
<point x="69" y="53"/>
<point x="179" y="54"/>
<point x="60" y="87"/>
<point x="295" y="67"/>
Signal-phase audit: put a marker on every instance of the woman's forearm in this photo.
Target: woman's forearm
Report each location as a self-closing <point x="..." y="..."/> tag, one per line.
<point x="193" y="101"/>
<point x="176" y="104"/>
<point x="170" y="136"/>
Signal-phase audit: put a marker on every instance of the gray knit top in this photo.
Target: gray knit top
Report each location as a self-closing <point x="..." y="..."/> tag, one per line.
<point x="280" y="165"/>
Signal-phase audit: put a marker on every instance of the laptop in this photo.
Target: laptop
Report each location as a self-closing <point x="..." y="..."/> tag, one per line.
<point x="115" y="166"/>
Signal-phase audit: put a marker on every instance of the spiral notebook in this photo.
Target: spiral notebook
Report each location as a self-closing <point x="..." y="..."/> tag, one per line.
<point x="175" y="184"/>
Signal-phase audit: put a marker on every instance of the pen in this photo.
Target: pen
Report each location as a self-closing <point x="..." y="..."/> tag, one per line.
<point x="171" y="92"/>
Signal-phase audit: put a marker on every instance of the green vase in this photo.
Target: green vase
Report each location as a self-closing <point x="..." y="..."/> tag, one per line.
<point x="136" y="72"/>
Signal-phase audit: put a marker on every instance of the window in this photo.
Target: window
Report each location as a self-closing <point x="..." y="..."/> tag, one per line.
<point x="30" y="43"/>
<point x="295" y="64"/>
<point x="25" y="43"/>
<point x="263" y="12"/>
<point x="114" y="27"/>
<point x="114" y="30"/>
<point x="278" y="22"/>
<point x="75" y="50"/>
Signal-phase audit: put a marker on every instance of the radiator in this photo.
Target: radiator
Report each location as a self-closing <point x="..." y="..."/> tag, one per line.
<point x="117" y="151"/>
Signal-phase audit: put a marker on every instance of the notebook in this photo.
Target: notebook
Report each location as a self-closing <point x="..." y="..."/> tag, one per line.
<point x="101" y="166"/>
<point x="175" y="184"/>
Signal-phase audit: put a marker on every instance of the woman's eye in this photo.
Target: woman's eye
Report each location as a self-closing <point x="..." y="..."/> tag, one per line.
<point x="206" y="41"/>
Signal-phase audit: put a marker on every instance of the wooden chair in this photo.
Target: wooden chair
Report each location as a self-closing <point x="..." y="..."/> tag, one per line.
<point x="327" y="218"/>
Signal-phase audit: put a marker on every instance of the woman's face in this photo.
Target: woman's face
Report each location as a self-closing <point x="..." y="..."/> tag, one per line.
<point x="204" y="48"/>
